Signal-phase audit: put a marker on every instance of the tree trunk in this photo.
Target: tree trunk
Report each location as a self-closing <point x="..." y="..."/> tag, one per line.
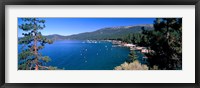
<point x="35" y="52"/>
<point x="35" y="48"/>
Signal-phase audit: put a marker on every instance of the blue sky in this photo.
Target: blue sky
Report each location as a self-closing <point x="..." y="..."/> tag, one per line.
<point x="69" y="26"/>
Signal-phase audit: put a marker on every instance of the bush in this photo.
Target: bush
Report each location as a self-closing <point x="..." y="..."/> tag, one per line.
<point x="136" y="65"/>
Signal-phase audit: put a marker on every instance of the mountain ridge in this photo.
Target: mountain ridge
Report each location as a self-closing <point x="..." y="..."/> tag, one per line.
<point x="103" y="33"/>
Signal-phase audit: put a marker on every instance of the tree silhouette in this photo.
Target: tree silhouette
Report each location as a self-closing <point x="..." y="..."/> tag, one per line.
<point x="166" y="42"/>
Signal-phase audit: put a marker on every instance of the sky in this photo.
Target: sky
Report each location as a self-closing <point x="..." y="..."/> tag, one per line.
<point x="69" y="26"/>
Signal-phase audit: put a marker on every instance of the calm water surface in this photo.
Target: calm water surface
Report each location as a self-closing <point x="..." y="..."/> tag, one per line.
<point x="79" y="55"/>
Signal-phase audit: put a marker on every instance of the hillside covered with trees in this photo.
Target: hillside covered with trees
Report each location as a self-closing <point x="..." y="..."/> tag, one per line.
<point x="104" y="33"/>
<point x="165" y="42"/>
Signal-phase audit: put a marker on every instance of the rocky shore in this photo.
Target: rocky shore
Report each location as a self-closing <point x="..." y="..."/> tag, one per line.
<point x="131" y="46"/>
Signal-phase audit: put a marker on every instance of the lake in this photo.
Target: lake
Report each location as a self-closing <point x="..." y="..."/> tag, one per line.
<point x="84" y="55"/>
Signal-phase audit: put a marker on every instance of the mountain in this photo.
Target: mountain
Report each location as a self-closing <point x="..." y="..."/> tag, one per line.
<point x="105" y="33"/>
<point x="56" y="37"/>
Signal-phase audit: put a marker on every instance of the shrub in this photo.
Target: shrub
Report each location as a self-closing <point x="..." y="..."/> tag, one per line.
<point x="136" y="65"/>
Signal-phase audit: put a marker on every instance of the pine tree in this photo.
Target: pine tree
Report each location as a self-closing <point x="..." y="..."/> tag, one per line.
<point x="32" y="41"/>
<point x="136" y="39"/>
<point x="127" y="38"/>
<point x="166" y="41"/>
<point x="132" y="55"/>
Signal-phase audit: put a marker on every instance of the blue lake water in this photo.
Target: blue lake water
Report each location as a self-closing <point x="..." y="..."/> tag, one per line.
<point x="78" y="55"/>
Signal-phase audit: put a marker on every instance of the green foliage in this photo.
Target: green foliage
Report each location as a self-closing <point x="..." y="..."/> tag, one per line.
<point x="126" y="38"/>
<point x="25" y="55"/>
<point x="136" y="38"/>
<point x="166" y="42"/>
<point x="32" y="42"/>
<point x="46" y="59"/>
<point x="23" y="66"/>
<point x="132" y="56"/>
